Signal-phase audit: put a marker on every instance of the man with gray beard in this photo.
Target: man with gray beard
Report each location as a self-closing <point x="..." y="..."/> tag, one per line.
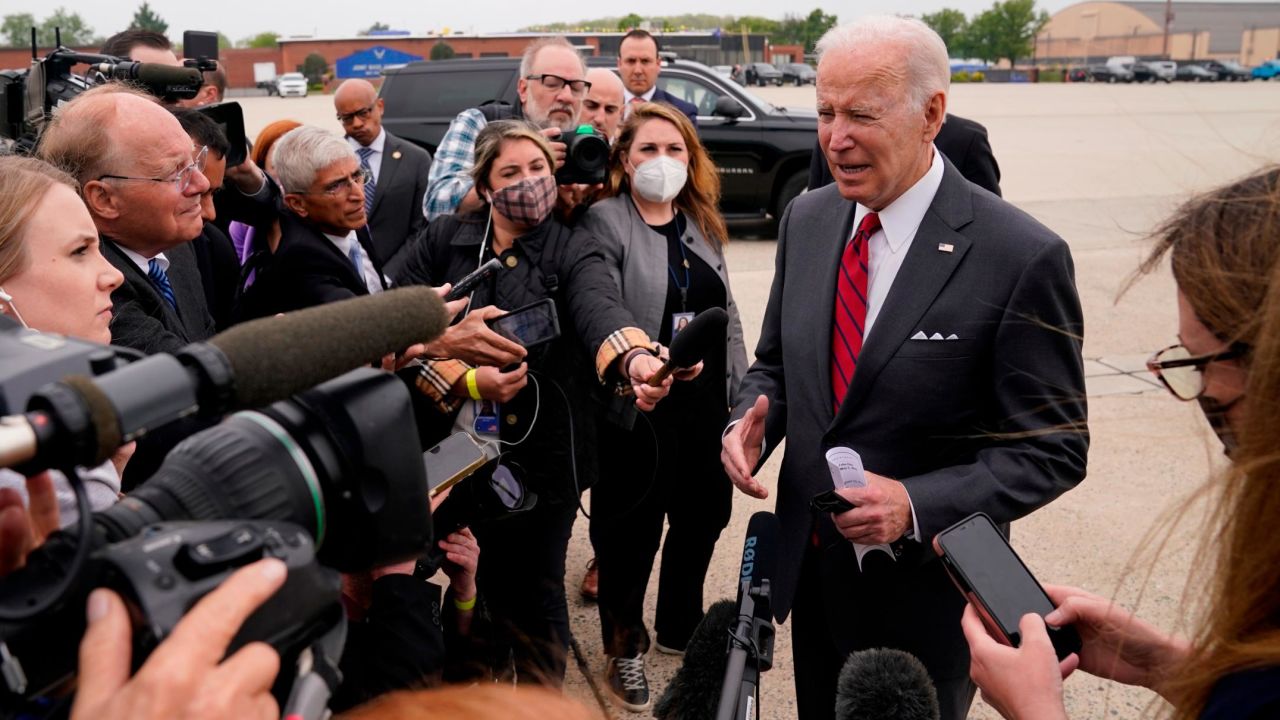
<point x="551" y="87"/>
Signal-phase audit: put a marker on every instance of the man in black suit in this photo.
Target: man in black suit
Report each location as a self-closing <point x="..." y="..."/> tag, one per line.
<point x="325" y="252"/>
<point x="639" y="65"/>
<point x="961" y="140"/>
<point x="142" y="180"/>
<point x="393" y="201"/>
<point x="967" y="395"/>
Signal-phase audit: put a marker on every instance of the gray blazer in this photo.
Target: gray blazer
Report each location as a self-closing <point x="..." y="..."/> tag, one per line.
<point x="637" y="259"/>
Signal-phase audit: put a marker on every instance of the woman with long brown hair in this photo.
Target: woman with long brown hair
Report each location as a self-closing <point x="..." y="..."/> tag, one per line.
<point x="663" y="237"/>
<point x="1225" y="251"/>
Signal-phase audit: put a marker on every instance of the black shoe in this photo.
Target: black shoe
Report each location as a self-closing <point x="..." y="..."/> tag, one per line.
<point x="627" y="682"/>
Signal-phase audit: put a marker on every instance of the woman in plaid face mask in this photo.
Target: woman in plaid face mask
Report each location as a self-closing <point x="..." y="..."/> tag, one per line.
<point x="537" y="415"/>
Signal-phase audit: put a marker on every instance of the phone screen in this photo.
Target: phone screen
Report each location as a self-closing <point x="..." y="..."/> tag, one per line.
<point x="456" y="457"/>
<point x="530" y="325"/>
<point x="988" y="567"/>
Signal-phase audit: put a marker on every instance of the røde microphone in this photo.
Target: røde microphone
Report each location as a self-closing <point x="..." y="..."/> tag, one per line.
<point x="692" y="693"/>
<point x="751" y="643"/>
<point x="704" y="334"/>
<point x="82" y="421"/>
<point x="165" y="78"/>
<point x="885" y="684"/>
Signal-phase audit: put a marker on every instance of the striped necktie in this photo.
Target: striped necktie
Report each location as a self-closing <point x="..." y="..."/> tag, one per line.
<point x="851" y="307"/>
<point x="160" y="279"/>
<point x="369" y="187"/>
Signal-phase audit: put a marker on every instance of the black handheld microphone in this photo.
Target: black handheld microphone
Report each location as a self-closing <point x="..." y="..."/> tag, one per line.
<point x="696" y="685"/>
<point x="885" y="684"/>
<point x="163" y="80"/>
<point x="82" y="421"/>
<point x="751" y="643"/>
<point x="704" y="334"/>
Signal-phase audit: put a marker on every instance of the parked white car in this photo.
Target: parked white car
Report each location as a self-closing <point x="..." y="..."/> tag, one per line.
<point x="291" y="85"/>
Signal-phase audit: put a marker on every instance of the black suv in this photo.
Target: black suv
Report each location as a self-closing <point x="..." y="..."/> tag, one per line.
<point x="761" y="150"/>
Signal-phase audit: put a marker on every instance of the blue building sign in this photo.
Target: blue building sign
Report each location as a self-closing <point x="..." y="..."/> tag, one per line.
<point x="370" y="63"/>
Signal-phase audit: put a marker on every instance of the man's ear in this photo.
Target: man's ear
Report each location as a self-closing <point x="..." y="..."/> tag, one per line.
<point x="101" y="199"/>
<point x="208" y="95"/>
<point x="522" y="90"/>
<point x="935" y="113"/>
<point x="296" y="204"/>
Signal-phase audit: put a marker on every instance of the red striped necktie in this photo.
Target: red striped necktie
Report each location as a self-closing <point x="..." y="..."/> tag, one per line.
<point x="851" y="307"/>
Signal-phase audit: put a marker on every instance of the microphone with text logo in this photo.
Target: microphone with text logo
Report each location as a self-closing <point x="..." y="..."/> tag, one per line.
<point x="82" y="421"/>
<point x="704" y="334"/>
<point x="692" y="693"/>
<point x="751" y="642"/>
<point x="885" y="684"/>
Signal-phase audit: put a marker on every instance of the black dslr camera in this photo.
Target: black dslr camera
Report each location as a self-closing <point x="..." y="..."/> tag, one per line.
<point x="586" y="157"/>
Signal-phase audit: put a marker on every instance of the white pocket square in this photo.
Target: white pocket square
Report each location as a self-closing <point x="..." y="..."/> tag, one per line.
<point x="920" y="335"/>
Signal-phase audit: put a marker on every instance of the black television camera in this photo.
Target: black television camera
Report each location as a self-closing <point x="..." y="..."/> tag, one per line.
<point x="28" y="97"/>
<point x="586" y="157"/>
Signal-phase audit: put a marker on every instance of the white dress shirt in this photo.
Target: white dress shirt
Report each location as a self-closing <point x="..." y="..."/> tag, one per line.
<point x="648" y="96"/>
<point x="144" y="264"/>
<point x="375" y="160"/>
<point x="889" y="245"/>
<point x="367" y="271"/>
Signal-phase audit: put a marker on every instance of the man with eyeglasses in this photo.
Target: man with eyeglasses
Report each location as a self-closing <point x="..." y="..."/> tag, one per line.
<point x="142" y="180"/>
<point x="551" y="87"/>
<point x="325" y="252"/>
<point x="399" y="169"/>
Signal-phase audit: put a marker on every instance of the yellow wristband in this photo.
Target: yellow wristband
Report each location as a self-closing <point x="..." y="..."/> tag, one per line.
<point x="465" y="605"/>
<point x="472" y="390"/>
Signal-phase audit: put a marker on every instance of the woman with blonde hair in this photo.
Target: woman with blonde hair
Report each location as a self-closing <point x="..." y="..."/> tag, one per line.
<point x="1224" y="247"/>
<point x="663" y="238"/>
<point x="53" y="278"/>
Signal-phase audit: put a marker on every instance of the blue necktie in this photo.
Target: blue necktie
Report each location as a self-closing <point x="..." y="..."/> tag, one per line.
<point x="160" y="279"/>
<point x="365" y="153"/>
<point x="357" y="259"/>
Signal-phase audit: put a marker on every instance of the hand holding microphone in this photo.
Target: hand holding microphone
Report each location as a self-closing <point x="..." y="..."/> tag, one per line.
<point x="704" y="334"/>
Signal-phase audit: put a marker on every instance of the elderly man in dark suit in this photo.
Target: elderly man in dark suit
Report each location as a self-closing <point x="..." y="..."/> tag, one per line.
<point x="639" y="65"/>
<point x="393" y="201"/>
<point x="926" y="324"/>
<point x="325" y="252"/>
<point x="142" y="179"/>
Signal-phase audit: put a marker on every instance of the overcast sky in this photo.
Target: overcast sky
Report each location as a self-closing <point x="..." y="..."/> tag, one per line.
<point x="241" y="18"/>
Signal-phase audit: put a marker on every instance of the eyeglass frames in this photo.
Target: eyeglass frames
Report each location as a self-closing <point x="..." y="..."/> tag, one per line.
<point x="181" y="181"/>
<point x="555" y="82"/>
<point x="1183" y="373"/>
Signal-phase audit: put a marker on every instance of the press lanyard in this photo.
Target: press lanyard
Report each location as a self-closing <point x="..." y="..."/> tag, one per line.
<point x="684" y="262"/>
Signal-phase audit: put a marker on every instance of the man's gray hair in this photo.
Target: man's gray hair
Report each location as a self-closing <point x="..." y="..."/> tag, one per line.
<point x="303" y="152"/>
<point x="532" y="49"/>
<point x="928" y="66"/>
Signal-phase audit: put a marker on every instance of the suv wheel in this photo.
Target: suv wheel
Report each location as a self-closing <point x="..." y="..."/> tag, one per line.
<point x="788" y="191"/>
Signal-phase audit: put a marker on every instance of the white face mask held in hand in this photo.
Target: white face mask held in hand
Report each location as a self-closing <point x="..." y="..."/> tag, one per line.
<point x="660" y="179"/>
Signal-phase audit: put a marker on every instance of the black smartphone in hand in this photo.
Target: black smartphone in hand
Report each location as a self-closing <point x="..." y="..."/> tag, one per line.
<point x="990" y="574"/>
<point x="830" y="502"/>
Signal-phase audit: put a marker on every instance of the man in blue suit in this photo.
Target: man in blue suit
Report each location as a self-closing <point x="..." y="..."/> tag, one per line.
<point x="638" y="65"/>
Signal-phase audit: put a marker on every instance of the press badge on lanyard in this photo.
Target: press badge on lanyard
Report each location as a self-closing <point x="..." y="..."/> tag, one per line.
<point x="486" y="422"/>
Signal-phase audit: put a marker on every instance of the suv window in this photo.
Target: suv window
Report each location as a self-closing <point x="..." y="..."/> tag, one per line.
<point x="702" y="96"/>
<point x="423" y="94"/>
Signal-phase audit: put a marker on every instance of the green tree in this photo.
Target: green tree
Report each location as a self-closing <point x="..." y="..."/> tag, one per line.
<point x="630" y="21"/>
<point x="261" y="40"/>
<point x="376" y="27"/>
<point x="951" y="25"/>
<point x="146" y="19"/>
<point x="314" y="67"/>
<point x="1007" y="31"/>
<point x="75" y="31"/>
<point x="224" y="42"/>
<point x="981" y="39"/>
<point x="16" y="29"/>
<point x="442" y="51"/>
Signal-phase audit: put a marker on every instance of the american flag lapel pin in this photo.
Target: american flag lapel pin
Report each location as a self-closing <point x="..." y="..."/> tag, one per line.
<point x="946" y="247"/>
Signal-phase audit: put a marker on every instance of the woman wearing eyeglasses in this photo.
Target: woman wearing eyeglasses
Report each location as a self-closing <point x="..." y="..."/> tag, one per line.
<point x="1225" y="252"/>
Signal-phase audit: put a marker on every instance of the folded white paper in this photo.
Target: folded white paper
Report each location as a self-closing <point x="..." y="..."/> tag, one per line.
<point x="845" y="466"/>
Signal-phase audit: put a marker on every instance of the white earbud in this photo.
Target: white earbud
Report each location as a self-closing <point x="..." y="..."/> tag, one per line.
<point x="8" y="300"/>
